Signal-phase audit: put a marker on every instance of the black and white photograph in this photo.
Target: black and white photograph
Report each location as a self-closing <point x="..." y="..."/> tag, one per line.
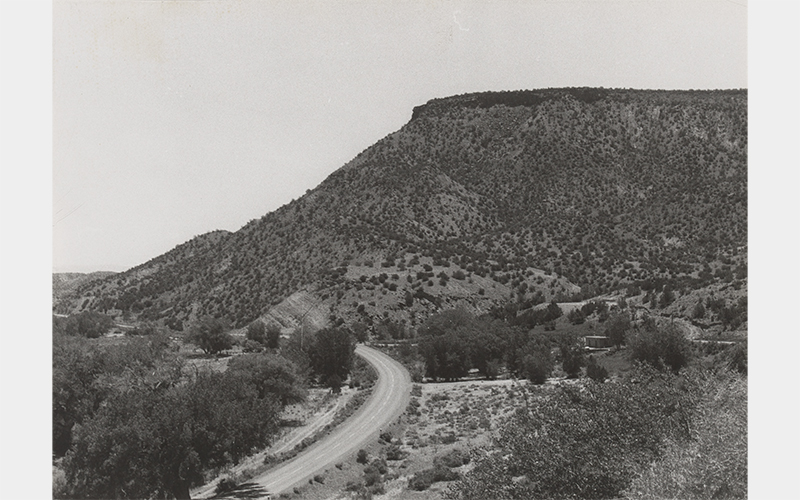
<point x="403" y="249"/>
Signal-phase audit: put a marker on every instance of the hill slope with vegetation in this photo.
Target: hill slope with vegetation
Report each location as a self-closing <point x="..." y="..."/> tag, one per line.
<point x="482" y="199"/>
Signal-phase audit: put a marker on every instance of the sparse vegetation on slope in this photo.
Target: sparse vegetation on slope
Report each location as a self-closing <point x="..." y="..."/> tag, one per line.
<point x="561" y="193"/>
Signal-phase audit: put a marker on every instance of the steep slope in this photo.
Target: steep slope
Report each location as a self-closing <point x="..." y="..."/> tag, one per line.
<point x="540" y="192"/>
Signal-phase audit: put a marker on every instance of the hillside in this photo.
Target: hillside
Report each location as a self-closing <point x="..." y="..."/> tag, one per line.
<point x="480" y="199"/>
<point x="64" y="284"/>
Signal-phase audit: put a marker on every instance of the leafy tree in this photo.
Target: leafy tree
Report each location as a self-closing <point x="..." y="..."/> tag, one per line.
<point x="616" y="327"/>
<point x="331" y="354"/>
<point x="662" y="348"/>
<point x="257" y="332"/>
<point x="270" y="374"/>
<point x="572" y="358"/>
<point x="446" y="356"/>
<point x="537" y="365"/>
<point x="89" y="324"/>
<point x="268" y="336"/>
<point x="595" y="371"/>
<point x="85" y="375"/>
<point x="576" y="317"/>
<point x="145" y="444"/>
<point x="455" y="341"/>
<point x="528" y="356"/>
<point x="360" y="331"/>
<point x="211" y="335"/>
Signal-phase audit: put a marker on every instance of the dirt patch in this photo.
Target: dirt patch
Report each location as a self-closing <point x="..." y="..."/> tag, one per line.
<point x="441" y="418"/>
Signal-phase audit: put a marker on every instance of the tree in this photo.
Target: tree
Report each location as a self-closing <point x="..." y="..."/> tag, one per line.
<point x="360" y="331"/>
<point x="576" y="317"/>
<point x="537" y="365"/>
<point x="87" y="324"/>
<point x="210" y="335"/>
<point x="572" y="358"/>
<point x="268" y="336"/>
<point x="616" y="327"/>
<point x="667" y="297"/>
<point x="331" y="354"/>
<point x="595" y="371"/>
<point x="270" y="375"/>
<point x="455" y="341"/>
<point x="662" y="348"/>
<point x="145" y="444"/>
<point x="257" y="332"/>
<point x="86" y="374"/>
<point x="699" y="310"/>
<point x="446" y="356"/>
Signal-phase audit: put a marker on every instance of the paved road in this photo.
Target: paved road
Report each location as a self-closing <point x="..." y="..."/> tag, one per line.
<point x="388" y="400"/>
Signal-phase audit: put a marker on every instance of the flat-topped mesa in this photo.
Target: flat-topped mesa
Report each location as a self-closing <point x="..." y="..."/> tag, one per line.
<point x="587" y="95"/>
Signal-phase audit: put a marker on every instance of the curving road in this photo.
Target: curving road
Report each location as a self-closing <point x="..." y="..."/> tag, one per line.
<point x="388" y="400"/>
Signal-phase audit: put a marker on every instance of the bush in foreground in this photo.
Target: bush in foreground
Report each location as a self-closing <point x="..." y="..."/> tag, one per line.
<point x="713" y="465"/>
<point x="584" y="441"/>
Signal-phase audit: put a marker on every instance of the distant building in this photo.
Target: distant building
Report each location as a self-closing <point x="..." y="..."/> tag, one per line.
<point x="597" y="341"/>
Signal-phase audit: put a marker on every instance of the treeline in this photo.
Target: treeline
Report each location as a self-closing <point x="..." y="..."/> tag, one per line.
<point x="89" y="324"/>
<point x="453" y="343"/>
<point x="674" y="425"/>
<point x="135" y="419"/>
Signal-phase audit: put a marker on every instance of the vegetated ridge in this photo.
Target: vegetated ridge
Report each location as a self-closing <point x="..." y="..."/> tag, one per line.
<point x="65" y="283"/>
<point x="481" y="200"/>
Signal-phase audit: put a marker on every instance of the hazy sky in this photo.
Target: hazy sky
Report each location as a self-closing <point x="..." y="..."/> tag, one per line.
<point x="171" y="119"/>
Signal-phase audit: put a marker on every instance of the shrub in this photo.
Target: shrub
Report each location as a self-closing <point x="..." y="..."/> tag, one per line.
<point x="595" y="371"/>
<point x="423" y="479"/>
<point x="586" y="441"/>
<point x="225" y="485"/>
<point x="393" y="452"/>
<point x="379" y="464"/>
<point x="699" y="310"/>
<point x="362" y="457"/>
<point x="372" y="476"/>
<point x="454" y="458"/>
<point x="714" y="463"/>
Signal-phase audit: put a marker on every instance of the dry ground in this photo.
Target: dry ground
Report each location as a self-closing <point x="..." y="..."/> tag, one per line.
<point x="440" y="418"/>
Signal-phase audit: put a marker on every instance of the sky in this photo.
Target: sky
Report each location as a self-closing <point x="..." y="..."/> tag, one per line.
<point x="172" y="119"/>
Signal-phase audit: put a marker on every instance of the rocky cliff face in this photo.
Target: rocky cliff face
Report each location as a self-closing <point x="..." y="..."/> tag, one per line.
<point x="520" y="196"/>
